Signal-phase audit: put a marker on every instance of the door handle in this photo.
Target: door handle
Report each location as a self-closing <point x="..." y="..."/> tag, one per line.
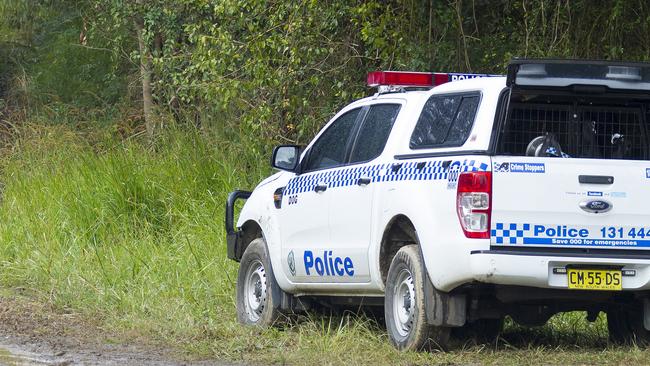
<point x="596" y="179"/>
<point x="364" y="181"/>
<point x="321" y="187"/>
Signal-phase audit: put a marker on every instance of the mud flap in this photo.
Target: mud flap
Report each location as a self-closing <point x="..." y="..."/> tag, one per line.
<point x="291" y="304"/>
<point x="444" y="310"/>
<point x="646" y="314"/>
<point x="234" y="246"/>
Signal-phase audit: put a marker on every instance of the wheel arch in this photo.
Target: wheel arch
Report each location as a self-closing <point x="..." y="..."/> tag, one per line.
<point x="399" y="232"/>
<point x="250" y="231"/>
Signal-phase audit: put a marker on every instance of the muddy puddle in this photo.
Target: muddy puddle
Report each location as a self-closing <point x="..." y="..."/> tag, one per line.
<point x="31" y="333"/>
<point x="17" y="352"/>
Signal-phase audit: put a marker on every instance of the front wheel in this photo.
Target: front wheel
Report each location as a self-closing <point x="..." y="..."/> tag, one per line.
<point x="256" y="287"/>
<point x="404" y="304"/>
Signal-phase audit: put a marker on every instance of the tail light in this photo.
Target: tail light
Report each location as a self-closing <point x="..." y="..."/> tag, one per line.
<point x="473" y="203"/>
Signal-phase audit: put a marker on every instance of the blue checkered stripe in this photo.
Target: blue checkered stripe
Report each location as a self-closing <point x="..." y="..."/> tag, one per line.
<point x="431" y="170"/>
<point x="473" y="166"/>
<point x="335" y="178"/>
<point x="510" y="233"/>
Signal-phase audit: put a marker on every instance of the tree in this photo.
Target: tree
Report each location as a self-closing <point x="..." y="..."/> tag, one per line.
<point x="127" y="26"/>
<point x="145" y="72"/>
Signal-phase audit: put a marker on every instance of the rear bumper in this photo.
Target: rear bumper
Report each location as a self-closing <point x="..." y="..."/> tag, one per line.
<point x="505" y="267"/>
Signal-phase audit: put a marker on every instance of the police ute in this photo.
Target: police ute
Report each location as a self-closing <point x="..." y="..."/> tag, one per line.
<point x="452" y="201"/>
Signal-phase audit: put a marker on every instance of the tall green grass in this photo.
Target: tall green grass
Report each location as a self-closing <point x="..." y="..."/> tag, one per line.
<point x="131" y="231"/>
<point x="132" y="235"/>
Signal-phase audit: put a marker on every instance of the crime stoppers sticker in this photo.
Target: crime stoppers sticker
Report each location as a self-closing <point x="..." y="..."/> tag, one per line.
<point x="513" y="167"/>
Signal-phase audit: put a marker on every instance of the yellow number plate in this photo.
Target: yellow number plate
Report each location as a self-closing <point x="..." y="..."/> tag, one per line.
<point x="595" y="279"/>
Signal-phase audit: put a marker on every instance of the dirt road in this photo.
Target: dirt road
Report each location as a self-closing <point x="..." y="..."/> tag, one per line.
<point x="33" y="334"/>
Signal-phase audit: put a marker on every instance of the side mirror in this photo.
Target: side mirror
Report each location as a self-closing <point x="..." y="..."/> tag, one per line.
<point x="285" y="157"/>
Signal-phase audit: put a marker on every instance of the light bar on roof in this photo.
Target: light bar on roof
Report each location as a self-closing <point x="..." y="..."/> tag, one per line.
<point x="445" y="77"/>
<point x="416" y="79"/>
<point x="400" y="78"/>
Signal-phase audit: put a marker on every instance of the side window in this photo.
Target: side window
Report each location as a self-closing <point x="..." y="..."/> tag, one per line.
<point x="446" y="120"/>
<point x="330" y="148"/>
<point x="374" y="132"/>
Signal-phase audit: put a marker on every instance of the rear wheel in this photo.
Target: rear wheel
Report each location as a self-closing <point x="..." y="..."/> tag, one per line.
<point x="404" y="304"/>
<point x="256" y="287"/>
<point x="625" y="325"/>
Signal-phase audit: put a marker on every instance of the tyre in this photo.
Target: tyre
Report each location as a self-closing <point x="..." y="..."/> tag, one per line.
<point x="256" y="287"/>
<point x="404" y="304"/>
<point x="625" y="325"/>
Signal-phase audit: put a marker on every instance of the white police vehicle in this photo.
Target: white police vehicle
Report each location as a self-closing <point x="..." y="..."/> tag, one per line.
<point x="455" y="204"/>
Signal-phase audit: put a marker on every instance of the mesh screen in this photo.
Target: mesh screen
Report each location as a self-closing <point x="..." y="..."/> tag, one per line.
<point x="607" y="132"/>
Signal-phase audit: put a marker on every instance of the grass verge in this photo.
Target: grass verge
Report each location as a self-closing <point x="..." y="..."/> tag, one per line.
<point x="132" y="236"/>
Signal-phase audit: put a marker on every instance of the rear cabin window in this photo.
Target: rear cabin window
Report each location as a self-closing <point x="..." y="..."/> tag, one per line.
<point x="576" y="127"/>
<point x="445" y="121"/>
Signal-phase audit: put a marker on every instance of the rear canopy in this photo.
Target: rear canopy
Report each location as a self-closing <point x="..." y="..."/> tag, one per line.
<point x="565" y="73"/>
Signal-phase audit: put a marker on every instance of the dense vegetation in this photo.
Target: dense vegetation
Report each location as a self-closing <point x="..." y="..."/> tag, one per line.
<point x="276" y="70"/>
<point x="125" y="123"/>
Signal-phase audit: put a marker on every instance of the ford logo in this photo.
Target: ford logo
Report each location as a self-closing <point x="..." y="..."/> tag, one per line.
<point x="595" y="206"/>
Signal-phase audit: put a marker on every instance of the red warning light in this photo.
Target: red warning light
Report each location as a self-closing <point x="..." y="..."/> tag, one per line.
<point x="400" y="78"/>
<point x="417" y="79"/>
